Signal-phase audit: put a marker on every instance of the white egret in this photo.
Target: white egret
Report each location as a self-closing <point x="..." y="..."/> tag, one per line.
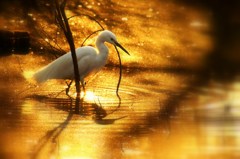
<point x="89" y="60"/>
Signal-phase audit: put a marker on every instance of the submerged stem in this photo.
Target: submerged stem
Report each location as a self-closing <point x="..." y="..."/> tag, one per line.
<point x="120" y="72"/>
<point x="63" y="22"/>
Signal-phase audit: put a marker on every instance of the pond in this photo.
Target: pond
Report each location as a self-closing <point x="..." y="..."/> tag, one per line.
<point x="167" y="108"/>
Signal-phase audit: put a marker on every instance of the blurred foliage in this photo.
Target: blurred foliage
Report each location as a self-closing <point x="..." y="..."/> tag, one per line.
<point x="224" y="59"/>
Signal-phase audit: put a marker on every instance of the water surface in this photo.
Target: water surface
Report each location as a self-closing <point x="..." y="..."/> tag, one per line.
<point x="167" y="108"/>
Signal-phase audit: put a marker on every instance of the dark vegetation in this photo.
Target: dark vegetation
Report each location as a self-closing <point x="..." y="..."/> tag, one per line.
<point x="224" y="60"/>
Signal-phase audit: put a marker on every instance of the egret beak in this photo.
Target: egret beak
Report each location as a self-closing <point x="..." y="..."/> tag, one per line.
<point x="120" y="46"/>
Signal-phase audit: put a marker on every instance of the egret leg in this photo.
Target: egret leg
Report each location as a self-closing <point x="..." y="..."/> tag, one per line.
<point x="68" y="87"/>
<point x="83" y="85"/>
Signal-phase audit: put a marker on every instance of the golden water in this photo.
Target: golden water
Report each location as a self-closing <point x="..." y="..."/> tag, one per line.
<point x="168" y="43"/>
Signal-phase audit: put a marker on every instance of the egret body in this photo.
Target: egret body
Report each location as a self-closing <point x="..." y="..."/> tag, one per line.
<point x="89" y="60"/>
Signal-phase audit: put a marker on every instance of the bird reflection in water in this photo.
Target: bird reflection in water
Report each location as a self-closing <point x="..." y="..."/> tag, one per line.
<point x="97" y="110"/>
<point x="100" y="113"/>
<point x="88" y="105"/>
<point x="82" y="107"/>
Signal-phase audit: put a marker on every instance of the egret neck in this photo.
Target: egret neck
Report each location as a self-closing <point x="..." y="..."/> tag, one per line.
<point x="102" y="48"/>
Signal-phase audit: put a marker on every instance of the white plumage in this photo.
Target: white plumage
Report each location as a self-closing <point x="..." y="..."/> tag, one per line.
<point x="89" y="60"/>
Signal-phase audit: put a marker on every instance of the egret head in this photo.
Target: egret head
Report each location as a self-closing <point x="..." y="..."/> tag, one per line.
<point x="109" y="37"/>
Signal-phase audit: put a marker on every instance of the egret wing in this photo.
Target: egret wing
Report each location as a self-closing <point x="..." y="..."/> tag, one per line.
<point x="62" y="67"/>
